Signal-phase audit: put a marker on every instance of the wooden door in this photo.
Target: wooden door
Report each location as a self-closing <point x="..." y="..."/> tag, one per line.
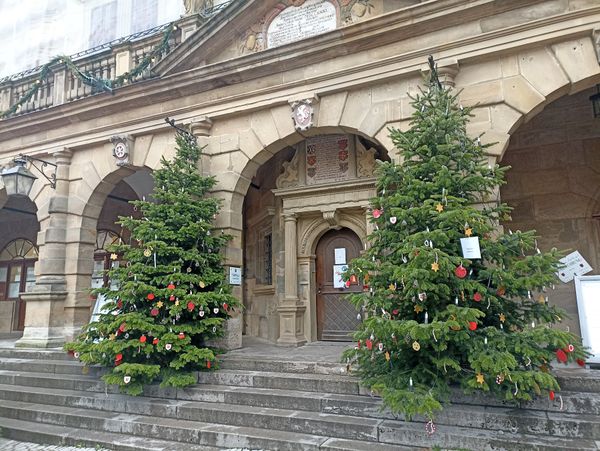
<point x="337" y="318"/>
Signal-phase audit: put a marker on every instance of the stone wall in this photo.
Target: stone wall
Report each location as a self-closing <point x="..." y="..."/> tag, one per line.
<point x="554" y="185"/>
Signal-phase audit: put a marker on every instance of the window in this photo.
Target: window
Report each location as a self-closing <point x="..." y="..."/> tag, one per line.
<point x="17" y="275"/>
<point x="144" y="15"/>
<point x="103" y="26"/>
<point x="265" y="257"/>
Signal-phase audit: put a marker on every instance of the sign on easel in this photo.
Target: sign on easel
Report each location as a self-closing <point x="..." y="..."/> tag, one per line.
<point x="587" y="289"/>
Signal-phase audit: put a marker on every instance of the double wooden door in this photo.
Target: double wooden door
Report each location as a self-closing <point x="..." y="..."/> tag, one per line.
<point x="337" y="318"/>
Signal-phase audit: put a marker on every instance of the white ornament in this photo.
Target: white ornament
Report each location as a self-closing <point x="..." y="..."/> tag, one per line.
<point x="216" y="310"/>
<point x="201" y="313"/>
<point x="168" y="346"/>
<point x="127" y="379"/>
<point x="393" y="219"/>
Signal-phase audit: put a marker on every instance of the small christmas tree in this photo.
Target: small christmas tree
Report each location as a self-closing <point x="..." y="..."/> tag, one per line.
<point x="169" y="295"/>
<point x="440" y="314"/>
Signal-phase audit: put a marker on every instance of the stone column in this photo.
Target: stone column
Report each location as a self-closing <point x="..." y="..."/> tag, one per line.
<point x="44" y="316"/>
<point x="291" y="311"/>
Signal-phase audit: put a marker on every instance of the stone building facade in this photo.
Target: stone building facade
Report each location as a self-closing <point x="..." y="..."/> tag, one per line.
<point x="293" y="120"/>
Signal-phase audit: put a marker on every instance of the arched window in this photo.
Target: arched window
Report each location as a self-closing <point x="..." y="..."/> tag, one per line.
<point x="17" y="261"/>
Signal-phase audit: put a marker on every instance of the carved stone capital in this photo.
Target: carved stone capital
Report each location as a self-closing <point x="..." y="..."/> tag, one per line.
<point x="332" y="217"/>
<point x="201" y="126"/>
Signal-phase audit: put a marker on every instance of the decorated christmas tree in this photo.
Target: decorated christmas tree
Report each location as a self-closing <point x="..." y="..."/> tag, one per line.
<point x="168" y="297"/>
<point x="451" y="299"/>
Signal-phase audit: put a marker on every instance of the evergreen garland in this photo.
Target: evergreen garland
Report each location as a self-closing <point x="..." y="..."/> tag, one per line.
<point x="97" y="84"/>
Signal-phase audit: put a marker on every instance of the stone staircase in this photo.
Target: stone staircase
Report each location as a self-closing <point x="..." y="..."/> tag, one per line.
<point x="268" y="404"/>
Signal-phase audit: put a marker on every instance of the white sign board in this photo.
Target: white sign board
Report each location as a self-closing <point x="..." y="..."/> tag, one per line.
<point x="574" y="265"/>
<point x="235" y="275"/>
<point x="338" y="281"/>
<point x="588" y="305"/>
<point x="340" y="255"/>
<point x="470" y="247"/>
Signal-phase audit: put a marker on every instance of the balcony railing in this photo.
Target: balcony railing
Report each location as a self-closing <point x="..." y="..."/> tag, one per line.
<point x="105" y="64"/>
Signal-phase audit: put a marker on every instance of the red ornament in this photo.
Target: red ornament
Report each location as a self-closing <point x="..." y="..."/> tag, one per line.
<point x="150" y="296"/>
<point x="580" y="362"/>
<point x="551" y="395"/>
<point x="347" y="284"/>
<point x="477" y="297"/>
<point x="172" y="297"/>
<point x="155" y="341"/>
<point x="353" y="279"/>
<point x="120" y="303"/>
<point x="376" y="213"/>
<point x="369" y="344"/>
<point x="143" y="339"/>
<point x="190" y="306"/>
<point x="181" y="335"/>
<point x="122" y="327"/>
<point x="395" y="312"/>
<point x="170" y="287"/>
<point x="461" y="272"/>
<point x="225" y="306"/>
<point x="561" y="356"/>
<point x="154" y="312"/>
<point x="472" y="325"/>
<point x="118" y="357"/>
<point x="359" y="344"/>
<point x="208" y="364"/>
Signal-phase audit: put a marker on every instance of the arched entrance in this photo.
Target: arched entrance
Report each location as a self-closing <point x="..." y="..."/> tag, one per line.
<point x="337" y="318"/>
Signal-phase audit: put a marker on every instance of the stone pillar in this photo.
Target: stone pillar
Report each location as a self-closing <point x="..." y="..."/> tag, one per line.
<point x="44" y="317"/>
<point x="291" y="310"/>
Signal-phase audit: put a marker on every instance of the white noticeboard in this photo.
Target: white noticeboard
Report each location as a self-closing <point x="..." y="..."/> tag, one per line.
<point x="235" y="275"/>
<point x="470" y="247"/>
<point x="574" y="265"/>
<point x="588" y="305"/>
<point x="338" y="281"/>
<point x="340" y="255"/>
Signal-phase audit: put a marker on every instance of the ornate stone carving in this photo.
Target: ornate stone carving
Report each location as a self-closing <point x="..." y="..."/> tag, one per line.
<point x="289" y="177"/>
<point x="196" y="6"/>
<point x="365" y="161"/>
<point x="332" y="217"/>
<point x="122" y="148"/>
<point x="302" y="114"/>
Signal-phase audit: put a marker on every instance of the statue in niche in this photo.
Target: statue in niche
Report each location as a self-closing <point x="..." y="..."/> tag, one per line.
<point x="289" y="177"/>
<point x="196" y="6"/>
<point x="365" y="161"/>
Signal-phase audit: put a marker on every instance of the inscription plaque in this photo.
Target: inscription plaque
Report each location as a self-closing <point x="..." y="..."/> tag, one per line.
<point x="327" y="158"/>
<point x="300" y="22"/>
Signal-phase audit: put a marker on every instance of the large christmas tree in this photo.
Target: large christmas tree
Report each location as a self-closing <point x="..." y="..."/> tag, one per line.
<point x="168" y="296"/>
<point x="438" y="313"/>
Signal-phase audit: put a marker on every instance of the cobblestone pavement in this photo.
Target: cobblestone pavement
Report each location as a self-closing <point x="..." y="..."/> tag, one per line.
<point x="14" y="445"/>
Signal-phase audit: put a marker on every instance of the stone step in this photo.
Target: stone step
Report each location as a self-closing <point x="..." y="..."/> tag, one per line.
<point x="34" y="354"/>
<point x="49" y="366"/>
<point x="49" y="434"/>
<point x="455" y="437"/>
<point x="178" y="430"/>
<point x="322" y="420"/>
<point x="324" y="383"/>
<point x="343" y="404"/>
<point x="228" y="362"/>
<point x="313" y="423"/>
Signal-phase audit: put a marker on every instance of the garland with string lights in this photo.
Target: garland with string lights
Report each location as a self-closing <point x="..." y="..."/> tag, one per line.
<point x="97" y="84"/>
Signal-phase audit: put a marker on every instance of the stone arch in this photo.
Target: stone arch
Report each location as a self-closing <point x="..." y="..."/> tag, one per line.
<point x="509" y="90"/>
<point x="313" y="232"/>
